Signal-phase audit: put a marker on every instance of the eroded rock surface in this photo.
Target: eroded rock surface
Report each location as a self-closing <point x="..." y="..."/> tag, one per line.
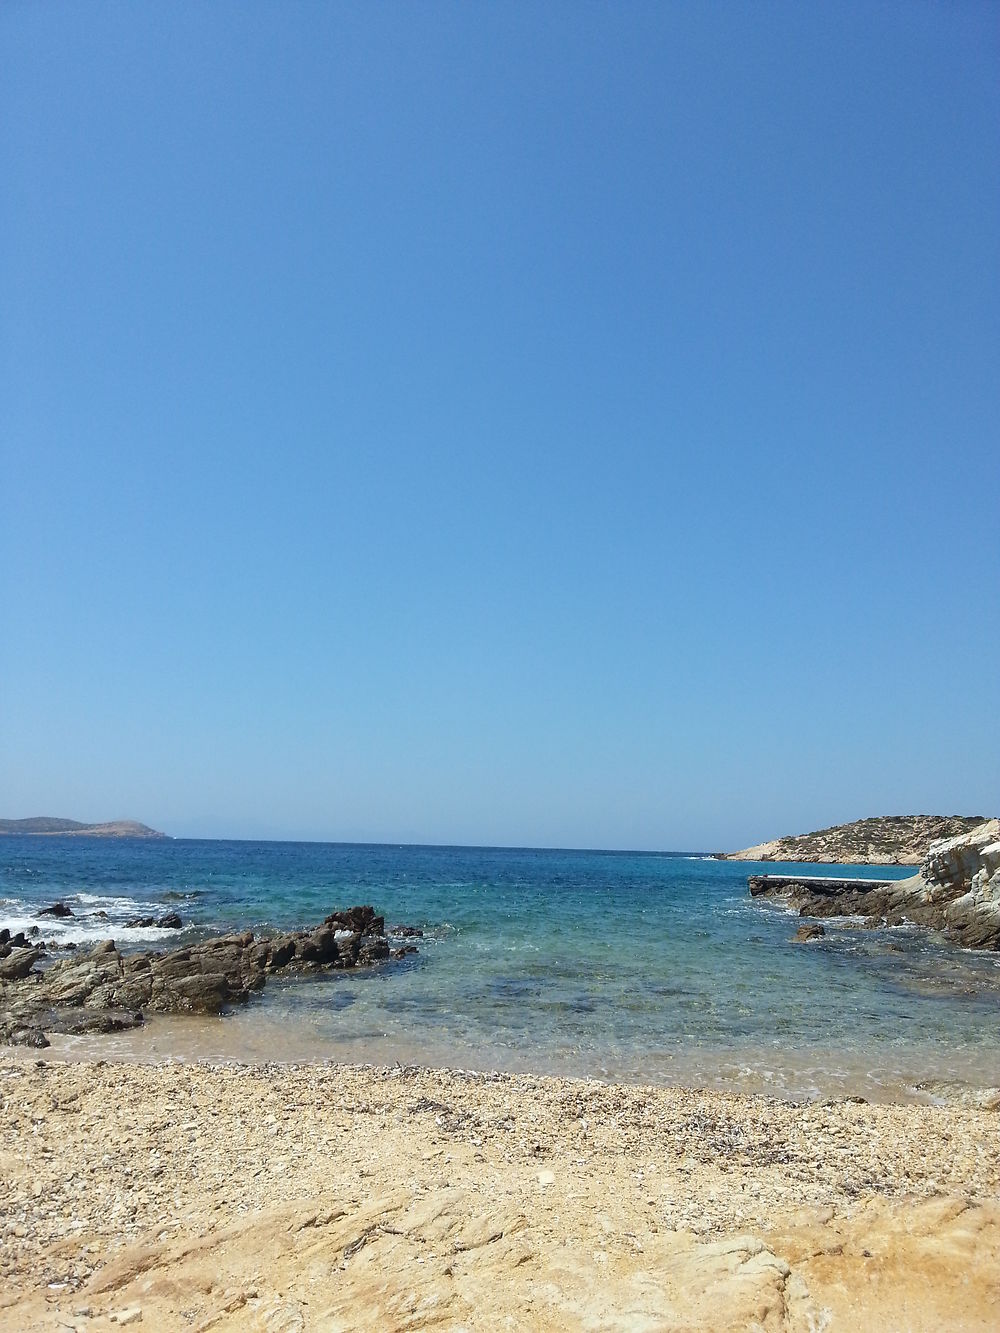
<point x="104" y="990"/>
<point x="957" y="890"/>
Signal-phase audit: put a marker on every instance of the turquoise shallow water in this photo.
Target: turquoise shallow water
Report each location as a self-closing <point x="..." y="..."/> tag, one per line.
<point x="646" y="967"/>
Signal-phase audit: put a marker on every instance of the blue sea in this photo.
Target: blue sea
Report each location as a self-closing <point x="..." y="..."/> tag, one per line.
<point x="643" y="967"/>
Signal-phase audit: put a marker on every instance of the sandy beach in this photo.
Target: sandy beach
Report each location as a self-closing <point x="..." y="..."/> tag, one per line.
<point x="286" y="1197"/>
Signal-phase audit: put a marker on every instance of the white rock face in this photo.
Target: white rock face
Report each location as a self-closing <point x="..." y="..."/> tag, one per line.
<point x="964" y="874"/>
<point x="957" y="861"/>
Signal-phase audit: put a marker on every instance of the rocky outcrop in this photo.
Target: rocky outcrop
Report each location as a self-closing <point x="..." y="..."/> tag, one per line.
<point x="171" y="921"/>
<point x="816" y="895"/>
<point x="957" y="890"/>
<point x="18" y="962"/>
<point x="102" y="989"/>
<point x="891" y="840"/>
<point x="962" y="876"/>
<point x="806" y="933"/>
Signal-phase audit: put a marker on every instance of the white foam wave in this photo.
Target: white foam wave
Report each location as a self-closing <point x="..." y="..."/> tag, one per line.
<point x="81" y="930"/>
<point x="121" y="903"/>
<point x="86" y="927"/>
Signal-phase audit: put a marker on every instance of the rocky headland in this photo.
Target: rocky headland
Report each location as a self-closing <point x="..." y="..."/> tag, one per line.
<point x="42" y="826"/>
<point x="102" y="989"/>
<point x="957" y="890"/>
<point x="889" y="840"/>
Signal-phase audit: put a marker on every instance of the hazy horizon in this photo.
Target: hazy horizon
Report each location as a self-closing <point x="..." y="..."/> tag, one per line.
<point x="557" y="425"/>
<point x="679" y="850"/>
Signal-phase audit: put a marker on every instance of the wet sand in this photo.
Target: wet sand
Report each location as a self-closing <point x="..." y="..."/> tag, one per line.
<point x="301" y="1196"/>
<point x="260" y="1034"/>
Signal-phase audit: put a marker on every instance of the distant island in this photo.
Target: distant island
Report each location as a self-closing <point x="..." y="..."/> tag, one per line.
<point x="43" y="826"/>
<point x="890" y="840"/>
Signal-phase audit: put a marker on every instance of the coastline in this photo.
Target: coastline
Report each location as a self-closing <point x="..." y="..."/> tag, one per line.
<point x="819" y="1154"/>
<point x="304" y="1196"/>
<point x="255" y="1036"/>
<point x="658" y="970"/>
<point x="882" y="840"/>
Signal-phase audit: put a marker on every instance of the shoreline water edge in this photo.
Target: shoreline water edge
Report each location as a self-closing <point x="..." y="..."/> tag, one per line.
<point x="629" y="968"/>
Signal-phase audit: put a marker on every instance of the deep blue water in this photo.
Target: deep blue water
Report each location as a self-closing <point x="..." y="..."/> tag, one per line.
<point x="643" y="966"/>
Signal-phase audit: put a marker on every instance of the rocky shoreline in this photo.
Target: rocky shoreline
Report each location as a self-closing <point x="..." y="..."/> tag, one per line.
<point x="102" y="989"/>
<point x="957" y="891"/>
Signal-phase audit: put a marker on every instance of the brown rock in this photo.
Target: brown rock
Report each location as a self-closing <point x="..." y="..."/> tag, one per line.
<point x="806" y="933"/>
<point x="104" y="990"/>
<point x="18" y="963"/>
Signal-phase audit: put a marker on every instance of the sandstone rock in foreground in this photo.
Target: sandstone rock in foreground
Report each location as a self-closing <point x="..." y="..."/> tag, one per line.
<point x="957" y="890"/>
<point x="275" y="1197"/>
<point x="103" y="990"/>
<point x="891" y="840"/>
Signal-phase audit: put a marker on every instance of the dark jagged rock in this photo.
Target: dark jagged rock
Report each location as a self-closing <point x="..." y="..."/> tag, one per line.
<point x="407" y="932"/>
<point x="957" y="891"/>
<point x="171" y="921"/>
<point x="102" y="990"/>
<point x="279" y="955"/>
<point x="26" y="1036"/>
<point x="57" y="909"/>
<point x="821" y="896"/>
<point x="372" y="951"/>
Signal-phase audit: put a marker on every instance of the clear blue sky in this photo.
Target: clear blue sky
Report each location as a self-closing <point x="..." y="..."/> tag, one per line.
<point x="547" y="424"/>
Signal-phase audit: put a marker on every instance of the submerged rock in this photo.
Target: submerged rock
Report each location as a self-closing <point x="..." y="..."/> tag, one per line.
<point x="26" y="1036"/>
<point x="102" y="990"/>
<point x="57" y="909"/>
<point x="806" y="933"/>
<point x="171" y="921"/>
